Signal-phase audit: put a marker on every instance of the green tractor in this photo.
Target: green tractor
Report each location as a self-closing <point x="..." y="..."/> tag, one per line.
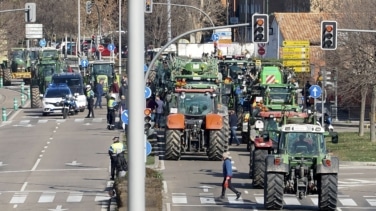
<point x="20" y="66"/>
<point x="197" y="122"/>
<point x="48" y="64"/>
<point x="101" y="70"/>
<point x="301" y="166"/>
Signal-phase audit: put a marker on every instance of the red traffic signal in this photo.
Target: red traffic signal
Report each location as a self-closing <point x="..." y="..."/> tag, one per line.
<point x="148" y="6"/>
<point x="329" y="35"/>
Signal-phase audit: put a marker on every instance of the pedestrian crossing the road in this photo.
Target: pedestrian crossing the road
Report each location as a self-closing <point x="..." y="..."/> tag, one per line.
<point x="51" y="196"/>
<point x="36" y="121"/>
<point x="183" y="199"/>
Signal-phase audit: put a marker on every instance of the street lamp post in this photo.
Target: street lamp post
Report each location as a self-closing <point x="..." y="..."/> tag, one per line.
<point x="78" y="48"/>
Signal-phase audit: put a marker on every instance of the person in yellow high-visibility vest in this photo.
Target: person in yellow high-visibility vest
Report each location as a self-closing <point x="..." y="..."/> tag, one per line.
<point x="116" y="152"/>
<point x="111" y="107"/>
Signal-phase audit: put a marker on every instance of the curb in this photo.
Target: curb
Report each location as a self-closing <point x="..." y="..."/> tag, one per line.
<point x="357" y="163"/>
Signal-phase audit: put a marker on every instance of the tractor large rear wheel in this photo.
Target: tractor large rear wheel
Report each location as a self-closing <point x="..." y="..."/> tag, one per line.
<point x="328" y="189"/>
<point x="226" y="130"/>
<point x="258" y="168"/>
<point x="251" y="152"/>
<point x="217" y="144"/>
<point x="173" y="145"/>
<point x="7" y="77"/>
<point x="35" y="99"/>
<point x="273" y="191"/>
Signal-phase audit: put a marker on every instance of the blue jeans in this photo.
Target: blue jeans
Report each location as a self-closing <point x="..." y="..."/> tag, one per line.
<point x="98" y="102"/>
<point x="233" y="135"/>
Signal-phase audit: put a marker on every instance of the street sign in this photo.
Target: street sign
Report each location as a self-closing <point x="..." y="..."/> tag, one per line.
<point x="84" y="63"/>
<point x="215" y="37"/>
<point x="42" y="43"/>
<point x="110" y="47"/>
<point x="293" y="63"/>
<point x="147" y="92"/>
<point x="148" y="148"/>
<point x="124" y="117"/>
<point x="295" y="56"/>
<point x="100" y="48"/>
<point x="302" y="69"/>
<point x="261" y="51"/>
<point x="33" y="30"/>
<point x="294" y="50"/>
<point x="297" y="43"/>
<point x="315" y="91"/>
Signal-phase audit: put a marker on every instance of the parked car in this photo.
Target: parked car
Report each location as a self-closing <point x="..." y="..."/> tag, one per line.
<point x="53" y="97"/>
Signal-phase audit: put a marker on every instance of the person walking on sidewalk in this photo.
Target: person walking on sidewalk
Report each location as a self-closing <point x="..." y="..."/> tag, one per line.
<point x="227" y="175"/>
<point x="233" y="126"/>
<point x="159" y="111"/>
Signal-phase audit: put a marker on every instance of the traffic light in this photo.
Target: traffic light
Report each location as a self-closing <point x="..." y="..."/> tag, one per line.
<point x="88" y="7"/>
<point x="30" y="12"/>
<point x="148" y="6"/>
<point x="260" y="28"/>
<point x="329" y="35"/>
<point x="147" y="122"/>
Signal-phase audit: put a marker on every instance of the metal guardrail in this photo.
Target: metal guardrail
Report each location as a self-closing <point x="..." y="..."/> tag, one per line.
<point x="350" y="113"/>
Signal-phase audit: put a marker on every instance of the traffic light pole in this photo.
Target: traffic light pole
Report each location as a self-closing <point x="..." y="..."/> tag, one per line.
<point x="184" y="34"/>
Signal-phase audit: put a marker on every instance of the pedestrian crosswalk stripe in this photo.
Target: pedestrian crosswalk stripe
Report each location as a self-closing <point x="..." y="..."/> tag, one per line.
<point x="259" y="200"/>
<point x="347" y="202"/>
<point x="315" y="201"/>
<point x="18" y="198"/>
<point x="102" y="197"/>
<point x="24" y="122"/>
<point x="97" y="120"/>
<point x="371" y="202"/>
<point x="232" y="199"/>
<point x="60" y="120"/>
<point x="42" y="120"/>
<point x="47" y="197"/>
<point x="79" y="120"/>
<point x="179" y="198"/>
<point x="207" y="198"/>
<point x="75" y="197"/>
<point x="291" y="200"/>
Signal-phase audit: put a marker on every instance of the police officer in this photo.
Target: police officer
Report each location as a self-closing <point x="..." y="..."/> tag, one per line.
<point x="111" y="107"/>
<point x="116" y="151"/>
<point x="90" y="101"/>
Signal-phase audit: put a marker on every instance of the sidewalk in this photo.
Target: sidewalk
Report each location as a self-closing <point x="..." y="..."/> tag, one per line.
<point x="7" y="97"/>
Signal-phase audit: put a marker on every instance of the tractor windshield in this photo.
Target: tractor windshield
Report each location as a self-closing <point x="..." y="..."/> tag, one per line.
<point x="48" y="69"/>
<point x="195" y="103"/>
<point x="18" y="54"/>
<point x="303" y="143"/>
<point x="102" y="69"/>
<point x="279" y="95"/>
<point x="49" y="54"/>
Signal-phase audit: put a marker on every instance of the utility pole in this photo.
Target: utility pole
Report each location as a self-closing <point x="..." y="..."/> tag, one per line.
<point x="169" y="20"/>
<point x="119" y="48"/>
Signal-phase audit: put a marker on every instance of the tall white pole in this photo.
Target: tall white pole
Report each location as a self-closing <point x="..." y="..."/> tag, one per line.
<point x="78" y="47"/>
<point x="169" y="20"/>
<point x="119" y="48"/>
<point x="136" y="151"/>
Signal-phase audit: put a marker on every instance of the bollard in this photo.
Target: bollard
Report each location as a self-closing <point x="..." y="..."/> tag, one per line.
<point x="22" y="87"/>
<point x="22" y="99"/>
<point x="15" y="105"/>
<point x="4" y="114"/>
<point x="1" y="82"/>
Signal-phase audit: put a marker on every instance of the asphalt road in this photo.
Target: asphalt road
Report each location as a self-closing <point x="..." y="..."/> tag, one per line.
<point x="194" y="183"/>
<point x="48" y="163"/>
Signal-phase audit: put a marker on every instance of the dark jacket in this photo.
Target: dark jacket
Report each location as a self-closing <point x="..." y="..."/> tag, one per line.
<point x="233" y="121"/>
<point x="123" y="91"/>
<point x="99" y="90"/>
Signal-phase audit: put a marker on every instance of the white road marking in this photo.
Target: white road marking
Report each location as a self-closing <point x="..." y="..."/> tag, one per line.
<point x="101" y="197"/>
<point x="18" y="198"/>
<point x="75" y="197"/>
<point x="291" y="201"/>
<point x="259" y="200"/>
<point x="179" y="198"/>
<point x="97" y="120"/>
<point x="164" y="183"/>
<point x="36" y="164"/>
<point x="232" y="199"/>
<point x="207" y="198"/>
<point x="348" y="202"/>
<point x="315" y="201"/>
<point x="24" y="122"/>
<point x="371" y="202"/>
<point x="43" y="121"/>
<point x="47" y="197"/>
<point x="23" y="187"/>
<point x="79" y="120"/>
